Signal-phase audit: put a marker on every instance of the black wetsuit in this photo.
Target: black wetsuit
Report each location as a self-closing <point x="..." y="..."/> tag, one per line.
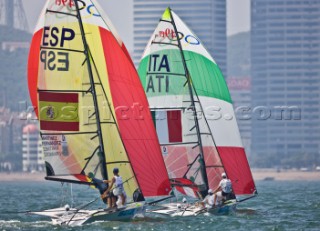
<point x="102" y="187"/>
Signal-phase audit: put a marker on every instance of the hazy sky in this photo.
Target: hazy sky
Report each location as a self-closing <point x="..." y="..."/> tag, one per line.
<point x="121" y="14"/>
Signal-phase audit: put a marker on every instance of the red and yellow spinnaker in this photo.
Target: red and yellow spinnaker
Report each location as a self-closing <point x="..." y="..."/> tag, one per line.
<point x="89" y="98"/>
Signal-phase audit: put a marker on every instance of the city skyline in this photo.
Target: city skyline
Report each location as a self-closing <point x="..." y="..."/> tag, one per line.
<point x="206" y="18"/>
<point x="238" y="16"/>
<point x="285" y="75"/>
<point x="285" y="71"/>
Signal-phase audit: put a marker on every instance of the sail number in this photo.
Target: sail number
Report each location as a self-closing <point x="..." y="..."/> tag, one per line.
<point x="158" y="81"/>
<point x="54" y="38"/>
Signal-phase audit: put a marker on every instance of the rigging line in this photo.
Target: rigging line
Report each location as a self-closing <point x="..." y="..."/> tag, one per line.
<point x="202" y="163"/>
<point x="206" y="121"/>
<point x="15" y="212"/>
<point x="72" y="199"/>
<point x="162" y="20"/>
<point x="63" y="193"/>
<point x="84" y="84"/>
<point x="104" y="91"/>
<point x="197" y="145"/>
<point x="95" y="100"/>
<point x="114" y="123"/>
<point x="95" y="170"/>
<point x="89" y="158"/>
<point x="118" y="162"/>
<point x="92" y="114"/>
<point x="89" y="124"/>
<point x="66" y="91"/>
<point x="180" y="143"/>
<point x="162" y="43"/>
<point x="60" y="49"/>
<point x="59" y="12"/>
<point x="247" y="198"/>
<point x="112" y="114"/>
<point x="82" y="207"/>
<point x="84" y="61"/>
<point x="191" y="164"/>
<point x="165" y="73"/>
<point x="67" y="180"/>
<point x="93" y="137"/>
<point x="166" y="108"/>
<point x="157" y="201"/>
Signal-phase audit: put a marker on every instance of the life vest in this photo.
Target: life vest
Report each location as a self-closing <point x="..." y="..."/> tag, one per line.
<point x="226" y="185"/>
<point x="118" y="186"/>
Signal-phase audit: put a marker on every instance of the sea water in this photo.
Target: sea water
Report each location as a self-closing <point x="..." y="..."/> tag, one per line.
<point x="280" y="205"/>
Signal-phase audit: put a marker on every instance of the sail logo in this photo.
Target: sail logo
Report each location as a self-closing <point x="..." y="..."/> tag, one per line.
<point x="157" y="80"/>
<point x="69" y="7"/>
<point x="54" y="38"/>
<point x="170" y="34"/>
<point x="69" y="3"/>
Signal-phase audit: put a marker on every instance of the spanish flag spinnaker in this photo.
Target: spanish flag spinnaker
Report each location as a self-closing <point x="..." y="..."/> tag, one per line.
<point x="92" y="109"/>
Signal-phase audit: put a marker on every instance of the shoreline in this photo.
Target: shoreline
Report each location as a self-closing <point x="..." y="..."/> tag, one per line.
<point x="258" y="175"/>
<point x="285" y="175"/>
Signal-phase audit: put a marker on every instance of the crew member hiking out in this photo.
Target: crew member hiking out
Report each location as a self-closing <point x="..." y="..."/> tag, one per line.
<point x="224" y="189"/>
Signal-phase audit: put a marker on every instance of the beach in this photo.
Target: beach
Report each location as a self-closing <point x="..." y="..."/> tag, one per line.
<point x="285" y="175"/>
<point x="258" y="174"/>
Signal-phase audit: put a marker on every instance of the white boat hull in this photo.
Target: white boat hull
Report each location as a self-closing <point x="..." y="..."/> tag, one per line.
<point x="177" y="209"/>
<point x="74" y="217"/>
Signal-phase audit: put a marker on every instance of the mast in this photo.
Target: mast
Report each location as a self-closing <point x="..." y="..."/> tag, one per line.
<point x="101" y="153"/>
<point x="202" y="163"/>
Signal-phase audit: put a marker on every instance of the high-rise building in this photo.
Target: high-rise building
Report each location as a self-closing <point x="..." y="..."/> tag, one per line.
<point x="285" y="59"/>
<point x="240" y="90"/>
<point x="31" y="149"/>
<point x="13" y="15"/>
<point x="207" y="18"/>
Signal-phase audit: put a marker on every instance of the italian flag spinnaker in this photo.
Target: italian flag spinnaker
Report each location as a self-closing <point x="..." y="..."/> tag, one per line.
<point x="178" y="73"/>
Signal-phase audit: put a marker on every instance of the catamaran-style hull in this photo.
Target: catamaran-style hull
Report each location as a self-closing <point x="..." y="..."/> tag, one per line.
<point x="176" y="209"/>
<point x="74" y="217"/>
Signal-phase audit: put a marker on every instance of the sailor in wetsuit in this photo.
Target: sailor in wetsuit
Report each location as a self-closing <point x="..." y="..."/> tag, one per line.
<point x="101" y="186"/>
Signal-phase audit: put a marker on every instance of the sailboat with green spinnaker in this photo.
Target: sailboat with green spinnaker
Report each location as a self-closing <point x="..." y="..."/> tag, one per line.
<point x="193" y="115"/>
